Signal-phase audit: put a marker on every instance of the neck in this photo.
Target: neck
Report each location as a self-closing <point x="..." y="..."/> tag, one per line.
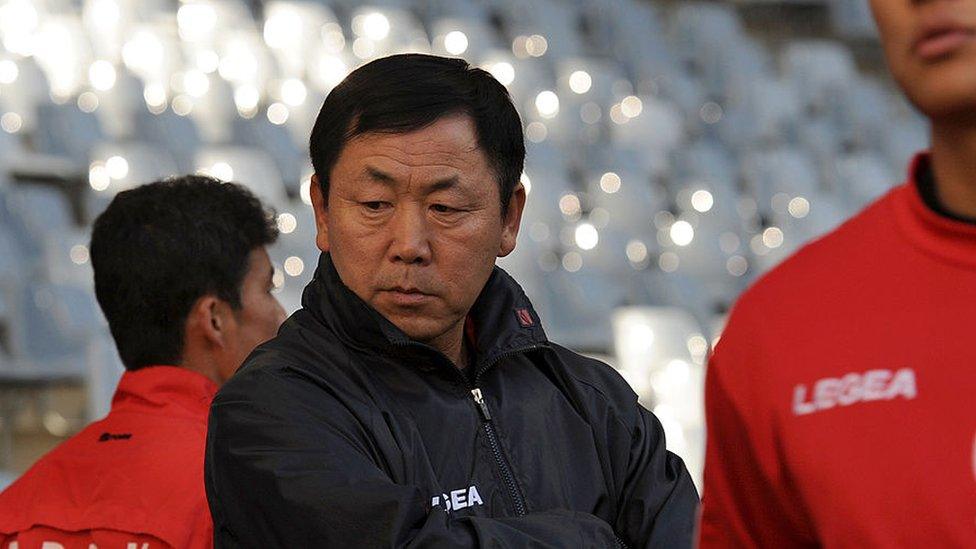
<point x="205" y="366"/>
<point x="954" y="166"/>
<point x="451" y="344"/>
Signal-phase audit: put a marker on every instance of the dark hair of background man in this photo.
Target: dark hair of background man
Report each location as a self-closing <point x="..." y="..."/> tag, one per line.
<point x="158" y="248"/>
<point x="403" y="93"/>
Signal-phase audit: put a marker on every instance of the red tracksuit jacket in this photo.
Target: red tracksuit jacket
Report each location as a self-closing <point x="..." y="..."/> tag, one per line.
<point x="132" y="480"/>
<point x="841" y="399"/>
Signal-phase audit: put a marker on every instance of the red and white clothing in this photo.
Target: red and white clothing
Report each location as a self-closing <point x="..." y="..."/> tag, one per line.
<point x="131" y="480"/>
<point x="841" y="399"/>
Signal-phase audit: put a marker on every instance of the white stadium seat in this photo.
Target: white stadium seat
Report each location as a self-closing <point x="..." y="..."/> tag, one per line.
<point x="251" y="167"/>
<point x="661" y="351"/>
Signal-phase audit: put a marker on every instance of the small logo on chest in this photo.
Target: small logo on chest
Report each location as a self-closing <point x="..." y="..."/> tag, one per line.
<point x="105" y="437"/>
<point x="853" y="388"/>
<point x="458" y="499"/>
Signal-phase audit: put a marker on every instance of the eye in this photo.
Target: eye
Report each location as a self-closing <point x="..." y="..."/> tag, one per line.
<point x="441" y="208"/>
<point x="375" y="205"/>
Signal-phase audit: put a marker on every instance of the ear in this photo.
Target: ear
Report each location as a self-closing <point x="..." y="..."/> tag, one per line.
<point x="320" y="205"/>
<point x="209" y="320"/>
<point x="512" y="220"/>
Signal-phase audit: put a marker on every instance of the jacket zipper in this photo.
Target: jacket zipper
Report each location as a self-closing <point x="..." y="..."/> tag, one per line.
<point x="496" y="450"/>
<point x="493" y="442"/>
<point x="503" y="465"/>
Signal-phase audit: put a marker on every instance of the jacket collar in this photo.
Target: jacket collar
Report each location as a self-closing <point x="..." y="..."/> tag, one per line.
<point x="166" y="390"/>
<point x="948" y="239"/>
<point x="502" y="319"/>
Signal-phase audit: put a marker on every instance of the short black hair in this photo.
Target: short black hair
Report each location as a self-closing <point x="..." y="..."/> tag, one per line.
<point x="407" y="92"/>
<point x="159" y="247"/>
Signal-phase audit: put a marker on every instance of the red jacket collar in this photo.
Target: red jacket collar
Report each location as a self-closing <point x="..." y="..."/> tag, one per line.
<point x="948" y="239"/>
<point x="169" y="390"/>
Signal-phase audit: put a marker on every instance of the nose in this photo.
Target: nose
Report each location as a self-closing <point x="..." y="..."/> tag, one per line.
<point x="410" y="241"/>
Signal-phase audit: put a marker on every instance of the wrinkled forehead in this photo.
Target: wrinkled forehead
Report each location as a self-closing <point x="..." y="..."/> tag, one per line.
<point x="447" y="148"/>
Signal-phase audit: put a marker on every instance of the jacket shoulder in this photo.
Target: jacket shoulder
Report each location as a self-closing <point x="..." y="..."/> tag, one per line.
<point x="297" y="357"/>
<point x="598" y="380"/>
<point x="116" y="485"/>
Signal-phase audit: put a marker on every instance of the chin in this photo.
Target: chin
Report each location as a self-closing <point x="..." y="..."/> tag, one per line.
<point x="418" y="329"/>
<point x="947" y="93"/>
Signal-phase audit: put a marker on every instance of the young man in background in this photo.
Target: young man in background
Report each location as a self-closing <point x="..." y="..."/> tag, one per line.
<point x="840" y="398"/>
<point x="183" y="278"/>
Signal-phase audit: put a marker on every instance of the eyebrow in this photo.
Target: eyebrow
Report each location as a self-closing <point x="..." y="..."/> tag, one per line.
<point x="382" y="177"/>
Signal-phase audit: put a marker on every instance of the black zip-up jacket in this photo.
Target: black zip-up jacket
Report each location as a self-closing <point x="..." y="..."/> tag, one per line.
<point x="342" y="432"/>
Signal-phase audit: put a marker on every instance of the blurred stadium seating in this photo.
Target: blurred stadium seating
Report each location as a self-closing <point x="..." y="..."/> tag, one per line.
<point x="674" y="154"/>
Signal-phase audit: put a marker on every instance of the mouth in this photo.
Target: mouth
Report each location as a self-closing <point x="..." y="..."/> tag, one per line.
<point x="407" y="296"/>
<point x="942" y="40"/>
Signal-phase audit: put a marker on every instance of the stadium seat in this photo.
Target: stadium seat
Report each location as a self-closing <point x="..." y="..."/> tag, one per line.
<point x="10" y="144"/>
<point x="104" y="370"/>
<point x="295" y="255"/>
<point x="118" y="107"/>
<point x="380" y="31"/>
<point x="130" y="164"/>
<point x="526" y="78"/>
<point x="65" y="130"/>
<point x="656" y="130"/>
<point x="117" y="167"/>
<point x="21" y="96"/>
<point x="599" y="81"/>
<point x="251" y="167"/>
<point x="558" y="23"/>
<point x="12" y="267"/>
<point x="661" y="352"/>
<point x="54" y="325"/>
<point x="548" y="183"/>
<point x="862" y="178"/>
<point x="578" y="304"/>
<point x="214" y="111"/>
<point x="36" y="214"/>
<point x="821" y="138"/>
<point x="629" y="199"/>
<point x="822" y="70"/>
<point x="296" y="225"/>
<point x="701" y="31"/>
<point x="176" y="134"/>
<point x="66" y="259"/>
<point x="906" y="136"/>
<point x="108" y="23"/>
<point x="772" y="112"/>
<point x="463" y="37"/>
<point x="786" y="170"/>
<point x="852" y="18"/>
<point x="63" y="51"/>
<point x="289" y="158"/>
<point x="297" y="31"/>
<point x="637" y="36"/>
<point x="864" y="113"/>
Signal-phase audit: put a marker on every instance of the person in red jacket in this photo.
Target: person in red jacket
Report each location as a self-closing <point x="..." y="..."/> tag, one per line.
<point x="839" y="400"/>
<point x="183" y="277"/>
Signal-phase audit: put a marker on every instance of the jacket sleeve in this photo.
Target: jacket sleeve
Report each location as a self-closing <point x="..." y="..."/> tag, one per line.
<point x="282" y="471"/>
<point x="746" y="498"/>
<point x="659" y="502"/>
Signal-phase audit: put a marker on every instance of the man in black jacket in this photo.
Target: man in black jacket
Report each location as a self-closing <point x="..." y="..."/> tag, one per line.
<point x="414" y="399"/>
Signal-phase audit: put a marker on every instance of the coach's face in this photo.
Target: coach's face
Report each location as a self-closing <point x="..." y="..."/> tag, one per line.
<point x="931" y="50"/>
<point x="413" y="223"/>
